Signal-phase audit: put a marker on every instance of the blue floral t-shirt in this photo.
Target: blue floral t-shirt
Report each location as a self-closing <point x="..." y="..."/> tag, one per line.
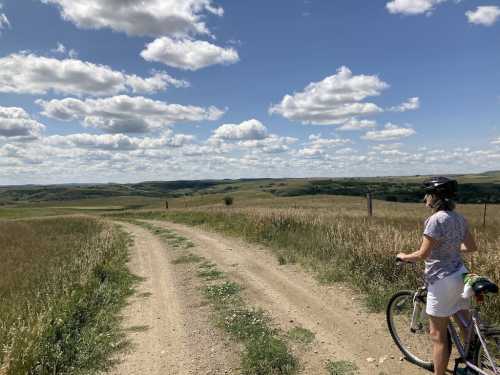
<point x="448" y="228"/>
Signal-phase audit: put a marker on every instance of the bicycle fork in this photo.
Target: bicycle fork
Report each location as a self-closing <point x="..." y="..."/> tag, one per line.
<point x="418" y="313"/>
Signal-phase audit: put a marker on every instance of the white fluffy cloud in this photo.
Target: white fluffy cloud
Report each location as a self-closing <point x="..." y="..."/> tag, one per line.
<point x="188" y="54"/>
<point x="118" y="142"/>
<point x="334" y="100"/>
<point x="412" y="7"/>
<point x="272" y="144"/>
<point x="125" y="114"/>
<point x="391" y="132"/>
<point x="484" y="15"/>
<point x="387" y="146"/>
<point x="247" y="130"/>
<point x="249" y="135"/>
<point x="317" y="141"/>
<point x="147" y="17"/>
<point x="410" y="105"/>
<point x="310" y="152"/>
<point x="319" y="147"/>
<point x="496" y="141"/>
<point x="16" y="124"/>
<point x="32" y="74"/>
<point x="354" y="124"/>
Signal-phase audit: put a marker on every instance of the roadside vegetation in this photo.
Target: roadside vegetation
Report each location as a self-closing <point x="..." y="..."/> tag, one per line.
<point x="340" y="244"/>
<point x="265" y="349"/>
<point x="341" y="368"/>
<point x="62" y="284"/>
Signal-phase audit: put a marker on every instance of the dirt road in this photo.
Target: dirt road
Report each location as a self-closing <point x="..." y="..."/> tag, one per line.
<point x="343" y="330"/>
<point x="168" y="323"/>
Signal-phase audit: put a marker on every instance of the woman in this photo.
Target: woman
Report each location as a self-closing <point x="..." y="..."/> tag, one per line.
<point x="446" y="235"/>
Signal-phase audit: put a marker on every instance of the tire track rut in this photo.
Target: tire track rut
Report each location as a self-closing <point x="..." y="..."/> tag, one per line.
<point x="167" y="322"/>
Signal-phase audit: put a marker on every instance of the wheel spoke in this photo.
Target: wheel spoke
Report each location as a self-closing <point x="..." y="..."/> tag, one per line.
<point x="414" y="343"/>
<point x="493" y="347"/>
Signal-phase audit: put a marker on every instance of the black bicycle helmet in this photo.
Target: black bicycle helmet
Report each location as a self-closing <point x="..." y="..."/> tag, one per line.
<point x="442" y="186"/>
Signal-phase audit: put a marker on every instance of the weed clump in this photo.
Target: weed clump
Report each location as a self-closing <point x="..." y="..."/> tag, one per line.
<point x="228" y="200"/>
<point x="190" y="258"/>
<point x="210" y="274"/>
<point x="341" y="368"/>
<point x="268" y="355"/>
<point x="301" y="335"/>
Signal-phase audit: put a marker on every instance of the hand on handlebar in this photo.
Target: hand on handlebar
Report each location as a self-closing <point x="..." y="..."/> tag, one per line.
<point x="401" y="258"/>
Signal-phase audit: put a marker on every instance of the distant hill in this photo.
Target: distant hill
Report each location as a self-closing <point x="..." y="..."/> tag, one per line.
<point x="473" y="188"/>
<point x="37" y="193"/>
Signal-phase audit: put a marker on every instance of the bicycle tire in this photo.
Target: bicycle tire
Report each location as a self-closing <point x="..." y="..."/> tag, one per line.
<point x="493" y="341"/>
<point x="407" y="296"/>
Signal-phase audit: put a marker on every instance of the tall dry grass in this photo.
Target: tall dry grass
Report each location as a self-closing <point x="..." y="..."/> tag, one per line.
<point x="61" y="283"/>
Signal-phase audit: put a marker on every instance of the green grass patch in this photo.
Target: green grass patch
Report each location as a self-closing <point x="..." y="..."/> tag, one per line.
<point x="188" y="245"/>
<point x="189" y="258"/>
<point x="210" y="274"/>
<point x="265" y="351"/>
<point x="268" y="355"/>
<point x="207" y="265"/>
<point x="341" y="368"/>
<point x="301" y="335"/>
<point x="220" y="292"/>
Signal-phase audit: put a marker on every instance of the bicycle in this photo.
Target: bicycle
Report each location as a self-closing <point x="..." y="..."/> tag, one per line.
<point x="479" y="351"/>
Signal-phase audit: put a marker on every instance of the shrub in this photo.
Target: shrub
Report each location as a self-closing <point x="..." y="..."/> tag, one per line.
<point x="228" y="200"/>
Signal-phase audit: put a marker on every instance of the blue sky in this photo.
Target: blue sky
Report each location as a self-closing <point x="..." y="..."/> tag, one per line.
<point x="94" y="91"/>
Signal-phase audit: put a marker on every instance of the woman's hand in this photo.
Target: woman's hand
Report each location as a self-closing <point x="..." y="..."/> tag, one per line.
<point x="402" y="256"/>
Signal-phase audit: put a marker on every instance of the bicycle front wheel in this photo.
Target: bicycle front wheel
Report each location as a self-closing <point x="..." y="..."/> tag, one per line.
<point x="414" y="342"/>
<point x="489" y="360"/>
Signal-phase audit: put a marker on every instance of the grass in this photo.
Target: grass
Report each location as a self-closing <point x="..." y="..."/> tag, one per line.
<point x="265" y="351"/>
<point x="210" y="274"/>
<point x="62" y="284"/>
<point x="190" y="258"/>
<point x="301" y="335"/>
<point x="341" y="368"/>
<point x="28" y="212"/>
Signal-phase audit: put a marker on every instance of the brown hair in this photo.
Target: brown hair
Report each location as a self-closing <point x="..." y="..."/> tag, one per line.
<point x="439" y="203"/>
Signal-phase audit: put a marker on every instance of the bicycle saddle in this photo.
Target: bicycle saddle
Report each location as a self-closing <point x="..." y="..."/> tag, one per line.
<point x="484" y="286"/>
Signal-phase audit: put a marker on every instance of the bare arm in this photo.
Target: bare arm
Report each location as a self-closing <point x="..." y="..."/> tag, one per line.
<point x="469" y="244"/>
<point x="425" y="249"/>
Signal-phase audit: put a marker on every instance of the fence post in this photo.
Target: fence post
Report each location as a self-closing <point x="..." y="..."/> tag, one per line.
<point x="166" y="204"/>
<point x="484" y="216"/>
<point x="370" y="205"/>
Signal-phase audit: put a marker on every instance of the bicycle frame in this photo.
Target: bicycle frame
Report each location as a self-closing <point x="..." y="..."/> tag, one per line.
<point x="464" y="348"/>
<point x="473" y="331"/>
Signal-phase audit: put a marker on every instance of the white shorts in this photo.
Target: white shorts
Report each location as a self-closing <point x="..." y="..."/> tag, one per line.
<point x="444" y="296"/>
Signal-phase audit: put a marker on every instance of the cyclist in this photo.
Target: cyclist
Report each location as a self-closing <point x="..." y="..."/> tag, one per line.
<point x="446" y="235"/>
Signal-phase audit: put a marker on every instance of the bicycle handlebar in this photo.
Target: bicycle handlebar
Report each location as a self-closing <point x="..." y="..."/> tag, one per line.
<point x="400" y="261"/>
